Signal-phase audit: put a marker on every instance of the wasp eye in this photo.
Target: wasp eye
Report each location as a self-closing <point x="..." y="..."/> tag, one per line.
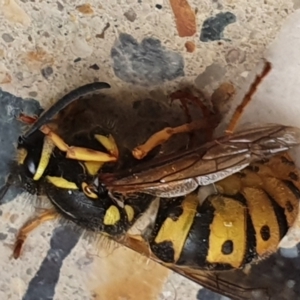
<point x="30" y="165"/>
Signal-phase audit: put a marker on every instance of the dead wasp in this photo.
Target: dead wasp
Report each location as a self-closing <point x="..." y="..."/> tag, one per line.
<point x="176" y="174"/>
<point x="225" y="231"/>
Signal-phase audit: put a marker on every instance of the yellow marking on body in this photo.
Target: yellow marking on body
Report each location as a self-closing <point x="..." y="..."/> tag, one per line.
<point x="282" y="195"/>
<point x="108" y="143"/>
<point x="21" y="155"/>
<point x="93" y="167"/>
<point x="251" y="179"/>
<point x="112" y="216"/>
<point x="227" y="211"/>
<point x="129" y="212"/>
<point x="262" y="214"/>
<point x="60" y="182"/>
<point x="87" y="191"/>
<point x="177" y="231"/>
<point x="85" y="154"/>
<point x="48" y="147"/>
<point x="271" y="174"/>
<point x="77" y="153"/>
<point x="281" y="170"/>
<point x="56" y="139"/>
<point x="230" y="185"/>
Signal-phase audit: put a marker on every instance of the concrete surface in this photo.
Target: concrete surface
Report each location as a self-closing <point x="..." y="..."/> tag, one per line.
<point x="50" y="47"/>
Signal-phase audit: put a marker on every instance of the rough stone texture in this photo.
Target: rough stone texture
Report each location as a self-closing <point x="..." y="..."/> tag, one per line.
<point x="50" y="47"/>
<point x="54" y="34"/>
<point x="146" y="63"/>
<point x="213" y="27"/>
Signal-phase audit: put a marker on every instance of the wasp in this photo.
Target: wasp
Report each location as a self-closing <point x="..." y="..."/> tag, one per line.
<point x="97" y="183"/>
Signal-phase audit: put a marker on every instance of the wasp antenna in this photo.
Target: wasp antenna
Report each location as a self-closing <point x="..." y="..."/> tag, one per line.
<point x="62" y="103"/>
<point x="247" y="98"/>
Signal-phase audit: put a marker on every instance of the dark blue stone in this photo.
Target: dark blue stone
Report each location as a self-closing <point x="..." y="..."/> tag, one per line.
<point x="213" y="27"/>
<point x="145" y="63"/>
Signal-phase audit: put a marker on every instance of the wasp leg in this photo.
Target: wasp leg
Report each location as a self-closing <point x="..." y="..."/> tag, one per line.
<point x="220" y="100"/>
<point x="30" y="226"/>
<point x="77" y="153"/>
<point x="247" y="99"/>
<point x="5" y="187"/>
<point x="3" y="190"/>
<point x="185" y="97"/>
<point x="162" y="136"/>
<point x="93" y="167"/>
<point x="48" y="147"/>
<point x="110" y="145"/>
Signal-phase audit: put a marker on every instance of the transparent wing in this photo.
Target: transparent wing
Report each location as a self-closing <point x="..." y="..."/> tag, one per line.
<point x="181" y="173"/>
<point x="224" y="282"/>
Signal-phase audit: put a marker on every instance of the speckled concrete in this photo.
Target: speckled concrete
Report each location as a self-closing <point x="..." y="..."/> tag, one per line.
<point x="50" y="47"/>
<point x="146" y="49"/>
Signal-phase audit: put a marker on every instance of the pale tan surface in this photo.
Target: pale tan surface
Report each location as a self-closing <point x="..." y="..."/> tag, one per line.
<point x="43" y="35"/>
<point x="21" y="61"/>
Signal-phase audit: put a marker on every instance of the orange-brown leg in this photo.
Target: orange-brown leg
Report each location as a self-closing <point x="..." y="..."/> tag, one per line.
<point x="48" y="215"/>
<point x="220" y="99"/>
<point x="184" y="104"/>
<point x="186" y="97"/>
<point x="247" y="99"/>
<point x="162" y="136"/>
<point x="209" y="122"/>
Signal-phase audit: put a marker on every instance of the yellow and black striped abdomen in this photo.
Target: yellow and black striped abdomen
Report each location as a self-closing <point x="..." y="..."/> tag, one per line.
<point x="214" y="237"/>
<point x="245" y="221"/>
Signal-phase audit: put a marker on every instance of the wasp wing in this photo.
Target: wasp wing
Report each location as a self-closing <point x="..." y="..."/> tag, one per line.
<point x="180" y="173"/>
<point x="212" y="280"/>
<point x="216" y="283"/>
